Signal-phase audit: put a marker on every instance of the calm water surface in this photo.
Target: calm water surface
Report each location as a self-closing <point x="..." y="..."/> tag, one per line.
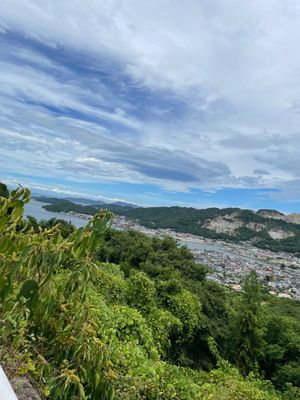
<point x="35" y="208"/>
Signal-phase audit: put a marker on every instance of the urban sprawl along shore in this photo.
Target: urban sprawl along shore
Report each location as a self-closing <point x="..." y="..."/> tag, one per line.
<point x="231" y="262"/>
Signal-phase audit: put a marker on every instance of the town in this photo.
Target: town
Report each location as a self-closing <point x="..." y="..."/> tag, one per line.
<point x="229" y="263"/>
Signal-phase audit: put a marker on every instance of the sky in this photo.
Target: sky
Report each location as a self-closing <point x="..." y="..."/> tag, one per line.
<point x="193" y="103"/>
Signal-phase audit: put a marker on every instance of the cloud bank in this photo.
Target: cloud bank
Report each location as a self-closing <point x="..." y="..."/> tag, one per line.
<point x="204" y="96"/>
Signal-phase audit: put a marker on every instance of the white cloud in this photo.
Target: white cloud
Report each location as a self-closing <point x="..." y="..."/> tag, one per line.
<point x="233" y="67"/>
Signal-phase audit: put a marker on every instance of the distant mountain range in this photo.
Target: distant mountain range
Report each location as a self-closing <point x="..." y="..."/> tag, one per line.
<point x="83" y="201"/>
<point x="265" y="228"/>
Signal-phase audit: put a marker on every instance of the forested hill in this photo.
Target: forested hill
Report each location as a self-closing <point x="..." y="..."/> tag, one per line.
<point x="64" y="205"/>
<point x="232" y="224"/>
<point x="95" y="313"/>
<point x="265" y="228"/>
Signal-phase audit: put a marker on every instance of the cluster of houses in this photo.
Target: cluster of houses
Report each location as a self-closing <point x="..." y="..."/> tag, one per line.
<point x="79" y="215"/>
<point x="280" y="273"/>
<point x="230" y="263"/>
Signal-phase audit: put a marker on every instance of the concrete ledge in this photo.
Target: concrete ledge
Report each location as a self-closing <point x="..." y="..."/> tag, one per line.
<point x="6" y="391"/>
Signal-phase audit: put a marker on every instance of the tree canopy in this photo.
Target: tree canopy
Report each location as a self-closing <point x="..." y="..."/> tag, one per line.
<point x="95" y="313"/>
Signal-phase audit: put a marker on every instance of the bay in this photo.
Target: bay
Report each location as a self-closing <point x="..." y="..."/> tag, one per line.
<point x="35" y="208"/>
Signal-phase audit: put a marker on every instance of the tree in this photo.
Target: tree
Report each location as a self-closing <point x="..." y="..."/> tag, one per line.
<point x="141" y="292"/>
<point x="32" y="223"/>
<point x="3" y="190"/>
<point x="249" y="328"/>
<point x="66" y="228"/>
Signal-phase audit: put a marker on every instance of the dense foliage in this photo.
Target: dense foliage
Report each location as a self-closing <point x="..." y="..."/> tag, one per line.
<point x="97" y="314"/>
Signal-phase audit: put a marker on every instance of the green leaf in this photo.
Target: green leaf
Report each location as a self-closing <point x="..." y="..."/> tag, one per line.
<point x="30" y="291"/>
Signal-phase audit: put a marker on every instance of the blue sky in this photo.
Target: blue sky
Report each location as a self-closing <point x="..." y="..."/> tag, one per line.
<point x="152" y="102"/>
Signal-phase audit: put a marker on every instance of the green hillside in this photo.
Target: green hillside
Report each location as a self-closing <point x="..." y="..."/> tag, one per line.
<point x="195" y="221"/>
<point x="61" y="205"/>
<point x="101" y="314"/>
<point x="251" y="226"/>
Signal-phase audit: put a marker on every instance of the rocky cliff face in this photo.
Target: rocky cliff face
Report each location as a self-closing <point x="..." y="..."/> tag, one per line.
<point x="279" y="234"/>
<point x="293" y="218"/>
<point x="230" y="224"/>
